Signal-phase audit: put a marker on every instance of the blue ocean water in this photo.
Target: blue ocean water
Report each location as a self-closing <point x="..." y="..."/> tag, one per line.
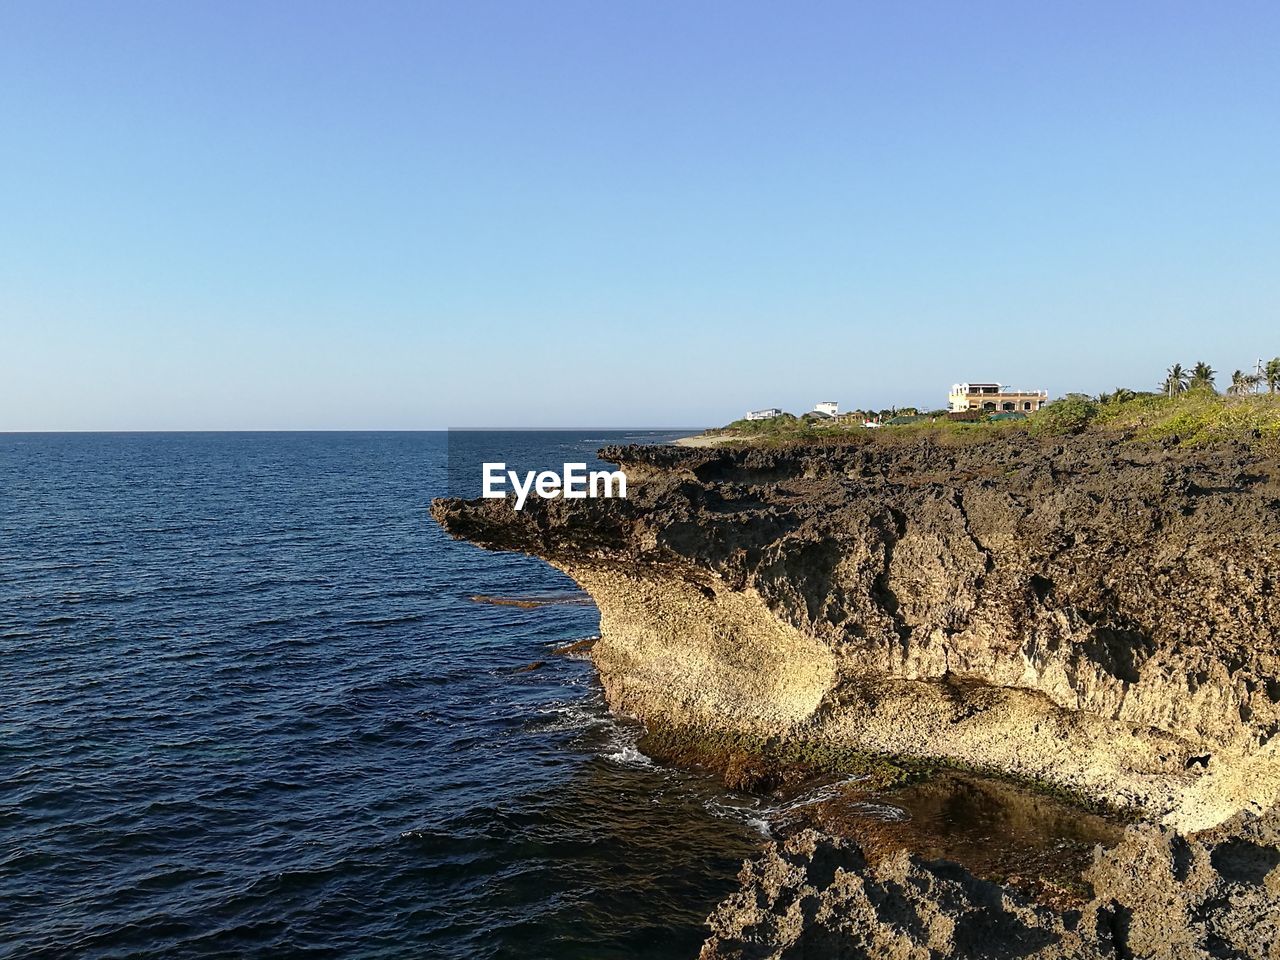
<point x="249" y="709"/>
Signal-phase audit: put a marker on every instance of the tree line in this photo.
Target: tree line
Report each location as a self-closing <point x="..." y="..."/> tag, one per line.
<point x="1202" y="377"/>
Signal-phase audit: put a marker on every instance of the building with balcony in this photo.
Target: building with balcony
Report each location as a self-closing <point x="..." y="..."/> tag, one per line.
<point x="994" y="398"/>
<point x="768" y="414"/>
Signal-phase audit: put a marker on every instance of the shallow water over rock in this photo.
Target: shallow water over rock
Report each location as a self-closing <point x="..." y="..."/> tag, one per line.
<point x="1000" y="831"/>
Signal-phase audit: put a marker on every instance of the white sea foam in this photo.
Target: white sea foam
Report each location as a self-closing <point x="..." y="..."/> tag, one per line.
<point x="822" y="794"/>
<point x="622" y="748"/>
<point x="562" y="717"/>
<point x="763" y="818"/>
<point x="629" y="755"/>
<point x="833" y="791"/>
<point x="753" y="816"/>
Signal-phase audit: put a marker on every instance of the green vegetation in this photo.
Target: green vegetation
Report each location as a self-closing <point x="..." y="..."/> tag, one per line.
<point x="1242" y="383"/>
<point x="1175" y="381"/>
<point x="1202" y="376"/>
<point x="1072" y="414"/>
<point x="786" y="425"/>
<point x="1193" y="416"/>
<point x="1187" y="409"/>
<point x="850" y="431"/>
<point x="1118" y="395"/>
<point x="1197" y="416"/>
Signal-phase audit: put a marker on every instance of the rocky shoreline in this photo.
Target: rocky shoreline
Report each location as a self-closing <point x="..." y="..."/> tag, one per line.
<point x="1096" y="617"/>
<point x="1157" y="894"/>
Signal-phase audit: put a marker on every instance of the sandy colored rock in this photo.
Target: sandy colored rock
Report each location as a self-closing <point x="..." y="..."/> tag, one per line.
<point x="1096" y="615"/>
<point x="1159" y="895"/>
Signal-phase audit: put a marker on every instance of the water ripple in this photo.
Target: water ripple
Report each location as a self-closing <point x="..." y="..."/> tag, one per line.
<point x="251" y="711"/>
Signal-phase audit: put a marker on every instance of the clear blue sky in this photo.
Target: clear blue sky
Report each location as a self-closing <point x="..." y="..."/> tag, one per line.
<point x="348" y="215"/>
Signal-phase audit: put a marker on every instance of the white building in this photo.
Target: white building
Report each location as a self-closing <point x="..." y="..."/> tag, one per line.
<point x="829" y="407"/>
<point x="995" y="398"/>
<point x="764" y="414"/>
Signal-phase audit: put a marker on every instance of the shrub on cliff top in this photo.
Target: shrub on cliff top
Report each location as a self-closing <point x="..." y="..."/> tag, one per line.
<point x="784" y="424"/>
<point x="1190" y="417"/>
<point x="1069" y="415"/>
<point x="1200" y="416"/>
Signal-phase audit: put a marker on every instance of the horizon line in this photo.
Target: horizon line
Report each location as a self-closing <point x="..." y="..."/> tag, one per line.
<point x="344" y="430"/>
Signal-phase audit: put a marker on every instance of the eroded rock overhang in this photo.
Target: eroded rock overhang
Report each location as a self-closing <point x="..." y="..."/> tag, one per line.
<point x="1098" y="615"/>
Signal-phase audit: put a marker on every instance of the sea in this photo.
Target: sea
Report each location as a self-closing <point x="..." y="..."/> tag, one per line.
<point x="250" y="708"/>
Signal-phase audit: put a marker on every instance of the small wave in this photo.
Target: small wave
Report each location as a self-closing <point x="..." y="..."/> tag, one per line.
<point x="881" y="811"/>
<point x="379" y="622"/>
<point x="571" y="717"/>
<point x="267" y="622"/>
<point x="753" y="816"/>
<point x="623" y="748"/>
<point x="629" y="756"/>
<point x="61" y="621"/>
<point x="834" y="793"/>
<point x="822" y="794"/>
<point x="763" y="819"/>
<point x="761" y="826"/>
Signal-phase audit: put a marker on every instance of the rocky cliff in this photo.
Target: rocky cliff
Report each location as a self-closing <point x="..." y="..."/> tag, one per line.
<point x="1159" y="895"/>
<point x="1098" y="615"/>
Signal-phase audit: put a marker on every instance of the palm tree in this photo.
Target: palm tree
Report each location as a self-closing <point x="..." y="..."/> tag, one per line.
<point x="1271" y="373"/>
<point x="1175" y="380"/>
<point x="1242" y="383"/>
<point x="1118" y="395"/>
<point x="1202" y="375"/>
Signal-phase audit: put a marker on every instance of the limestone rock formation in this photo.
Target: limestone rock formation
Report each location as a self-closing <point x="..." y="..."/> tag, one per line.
<point x="1158" y="895"/>
<point x="1097" y="615"/>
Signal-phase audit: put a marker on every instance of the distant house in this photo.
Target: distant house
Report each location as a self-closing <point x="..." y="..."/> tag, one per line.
<point x="827" y="407"/>
<point x="994" y="398"/>
<point x="764" y="414"/>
